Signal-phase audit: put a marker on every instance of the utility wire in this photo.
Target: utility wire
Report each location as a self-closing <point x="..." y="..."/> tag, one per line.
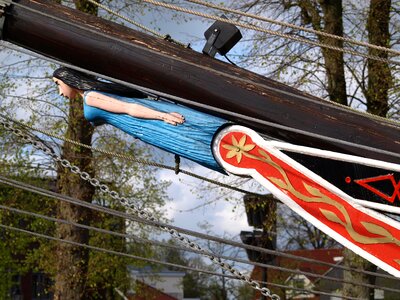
<point x="167" y="245"/>
<point x="293" y="26"/>
<point x="103" y="250"/>
<point x="43" y="192"/>
<point x="233" y="114"/>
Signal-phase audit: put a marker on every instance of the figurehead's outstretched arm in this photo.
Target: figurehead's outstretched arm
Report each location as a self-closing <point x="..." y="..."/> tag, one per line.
<point x="113" y="105"/>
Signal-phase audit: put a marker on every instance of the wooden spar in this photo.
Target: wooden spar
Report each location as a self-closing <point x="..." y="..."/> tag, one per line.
<point x="116" y="51"/>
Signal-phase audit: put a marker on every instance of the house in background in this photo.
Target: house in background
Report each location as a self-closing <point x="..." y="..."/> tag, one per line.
<point x="157" y="285"/>
<point x="300" y="281"/>
<point x="305" y="282"/>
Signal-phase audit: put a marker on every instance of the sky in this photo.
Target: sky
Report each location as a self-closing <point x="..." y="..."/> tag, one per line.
<point x="224" y="216"/>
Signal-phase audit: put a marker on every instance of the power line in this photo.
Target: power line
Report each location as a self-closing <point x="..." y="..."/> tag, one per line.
<point x="233" y="114"/>
<point x="43" y="192"/>
<point x="167" y="245"/>
<point x="99" y="249"/>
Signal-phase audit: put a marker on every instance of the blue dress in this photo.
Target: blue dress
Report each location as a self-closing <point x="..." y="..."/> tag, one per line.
<point x="191" y="140"/>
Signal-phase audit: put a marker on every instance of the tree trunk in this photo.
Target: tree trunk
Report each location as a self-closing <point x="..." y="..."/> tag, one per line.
<point x="355" y="261"/>
<point x="379" y="76"/>
<point x="379" y="81"/>
<point x="334" y="63"/>
<point x="331" y="22"/>
<point x="72" y="267"/>
<point x="73" y="261"/>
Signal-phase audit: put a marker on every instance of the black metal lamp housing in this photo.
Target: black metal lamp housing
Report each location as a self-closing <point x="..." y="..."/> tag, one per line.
<point x="221" y="37"/>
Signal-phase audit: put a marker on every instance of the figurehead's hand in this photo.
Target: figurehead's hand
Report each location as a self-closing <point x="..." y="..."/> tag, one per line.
<point x="173" y="118"/>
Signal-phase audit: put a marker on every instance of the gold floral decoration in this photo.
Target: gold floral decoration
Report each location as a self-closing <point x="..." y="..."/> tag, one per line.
<point x="238" y="148"/>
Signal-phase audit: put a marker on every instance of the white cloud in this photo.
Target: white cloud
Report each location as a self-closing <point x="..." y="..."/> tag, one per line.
<point x="222" y="215"/>
<point x="231" y="222"/>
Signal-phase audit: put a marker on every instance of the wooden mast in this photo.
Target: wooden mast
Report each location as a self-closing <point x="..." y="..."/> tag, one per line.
<point x="113" y="50"/>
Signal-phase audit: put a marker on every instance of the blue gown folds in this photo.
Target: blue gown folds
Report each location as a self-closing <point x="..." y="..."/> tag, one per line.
<point x="191" y="140"/>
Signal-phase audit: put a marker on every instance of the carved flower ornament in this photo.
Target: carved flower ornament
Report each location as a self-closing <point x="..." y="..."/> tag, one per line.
<point x="238" y="149"/>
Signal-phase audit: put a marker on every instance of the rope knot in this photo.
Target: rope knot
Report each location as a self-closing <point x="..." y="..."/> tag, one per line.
<point x="177" y="164"/>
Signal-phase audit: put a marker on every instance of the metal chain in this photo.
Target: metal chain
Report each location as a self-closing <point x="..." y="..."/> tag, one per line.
<point x="293" y="26"/>
<point x="113" y="12"/>
<point x="272" y="32"/>
<point x="133" y="208"/>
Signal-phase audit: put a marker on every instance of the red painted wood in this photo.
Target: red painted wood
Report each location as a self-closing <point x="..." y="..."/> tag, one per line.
<point x="360" y="227"/>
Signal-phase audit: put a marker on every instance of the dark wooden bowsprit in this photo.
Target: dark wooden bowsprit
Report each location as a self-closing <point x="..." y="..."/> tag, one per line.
<point x="113" y="50"/>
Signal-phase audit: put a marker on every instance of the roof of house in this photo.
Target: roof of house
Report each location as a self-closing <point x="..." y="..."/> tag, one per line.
<point x="324" y="255"/>
<point x="146" y="291"/>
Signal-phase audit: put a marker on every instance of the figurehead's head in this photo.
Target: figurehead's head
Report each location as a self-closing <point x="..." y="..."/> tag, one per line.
<point x="84" y="82"/>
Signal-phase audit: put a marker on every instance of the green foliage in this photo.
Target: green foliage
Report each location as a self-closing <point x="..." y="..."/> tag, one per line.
<point x="38" y="105"/>
<point x="21" y="253"/>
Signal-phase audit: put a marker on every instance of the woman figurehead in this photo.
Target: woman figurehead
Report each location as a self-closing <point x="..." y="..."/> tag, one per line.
<point x="159" y="123"/>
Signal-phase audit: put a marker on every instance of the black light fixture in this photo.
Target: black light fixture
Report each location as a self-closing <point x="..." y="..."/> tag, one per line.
<point x="221" y="37"/>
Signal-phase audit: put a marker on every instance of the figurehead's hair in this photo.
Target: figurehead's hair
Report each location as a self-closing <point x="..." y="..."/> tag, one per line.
<point x="85" y="82"/>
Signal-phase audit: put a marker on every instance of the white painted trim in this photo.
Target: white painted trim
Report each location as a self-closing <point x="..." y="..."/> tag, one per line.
<point x="336" y="156"/>
<point x="379" y="206"/>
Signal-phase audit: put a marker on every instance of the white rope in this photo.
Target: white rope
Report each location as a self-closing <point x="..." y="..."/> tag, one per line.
<point x="293" y="26"/>
<point x="272" y="32"/>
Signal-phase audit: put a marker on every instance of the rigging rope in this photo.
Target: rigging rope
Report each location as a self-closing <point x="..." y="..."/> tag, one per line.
<point x="179" y="99"/>
<point x="293" y="26"/>
<point x="248" y="26"/>
<point x="232" y="114"/>
<point x="272" y="32"/>
<point x="165" y="37"/>
<point x="171" y="246"/>
<point x="96" y="207"/>
<point x="103" y="250"/>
